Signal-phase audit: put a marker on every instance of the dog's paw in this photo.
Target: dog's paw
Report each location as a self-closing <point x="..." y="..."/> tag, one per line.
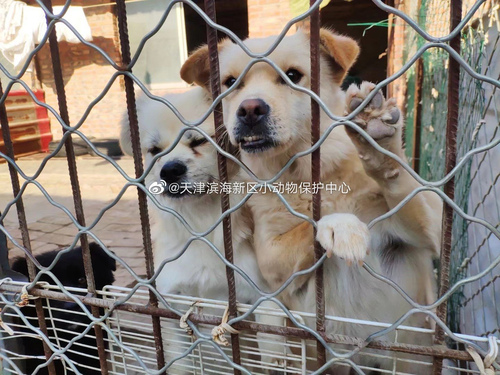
<point x="344" y="236"/>
<point x="380" y="118"/>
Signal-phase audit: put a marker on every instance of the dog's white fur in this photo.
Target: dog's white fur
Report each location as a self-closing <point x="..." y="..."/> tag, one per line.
<point x="402" y="246"/>
<point x="199" y="271"/>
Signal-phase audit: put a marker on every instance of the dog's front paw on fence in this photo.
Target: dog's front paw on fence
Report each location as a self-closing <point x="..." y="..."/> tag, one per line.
<point x="381" y="119"/>
<point x="344" y="236"/>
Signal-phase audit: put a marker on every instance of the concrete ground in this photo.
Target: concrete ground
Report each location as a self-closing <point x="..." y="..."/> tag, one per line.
<point x="50" y="228"/>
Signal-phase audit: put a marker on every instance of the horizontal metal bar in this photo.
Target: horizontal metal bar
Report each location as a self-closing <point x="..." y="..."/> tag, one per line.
<point x="438" y="351"/>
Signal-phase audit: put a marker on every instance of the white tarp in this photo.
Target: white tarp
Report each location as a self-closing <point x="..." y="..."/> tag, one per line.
<point x="23" y="26"/>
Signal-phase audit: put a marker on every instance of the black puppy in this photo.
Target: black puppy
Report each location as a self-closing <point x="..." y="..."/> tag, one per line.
<point x="68" y="319"/>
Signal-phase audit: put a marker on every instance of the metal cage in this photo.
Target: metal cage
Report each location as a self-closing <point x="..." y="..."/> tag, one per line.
<point x="137" y="321"/>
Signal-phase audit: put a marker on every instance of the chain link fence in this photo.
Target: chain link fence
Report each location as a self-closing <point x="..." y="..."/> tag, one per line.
<point x="472" y="308"/>
<point x="136" y="330"/>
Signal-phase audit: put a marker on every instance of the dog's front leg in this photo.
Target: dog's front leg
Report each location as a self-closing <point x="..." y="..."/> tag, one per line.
<point x="273" y="349"/>
<point x="418" y="222"/>
<point x="281" y="255"/>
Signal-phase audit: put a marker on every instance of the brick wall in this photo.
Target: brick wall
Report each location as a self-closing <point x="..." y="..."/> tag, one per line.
<point x="85" y="74"/>
<point x="267" y="17"/>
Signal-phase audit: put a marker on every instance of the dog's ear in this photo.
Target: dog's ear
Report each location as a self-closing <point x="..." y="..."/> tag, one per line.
<point x="342" y="50"/>
<point x="196" y="69"/>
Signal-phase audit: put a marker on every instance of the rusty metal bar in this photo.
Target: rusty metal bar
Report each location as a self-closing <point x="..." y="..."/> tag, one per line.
<point x="316" y="177"/>
<point x="437" y="351"/>
<point x="451" y="157"/>
<point x="390" y="49"/>
<point x="121" y="14"/>
<point x="222" y="166"/>
<point x="75" y="184"/>
<point x="417" y="118"/>
<point x="23" y="224"/>
<point x="417" y="108"/>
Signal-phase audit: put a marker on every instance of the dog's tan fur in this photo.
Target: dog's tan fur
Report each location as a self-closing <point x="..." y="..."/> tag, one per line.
<point x="402" y="246"/>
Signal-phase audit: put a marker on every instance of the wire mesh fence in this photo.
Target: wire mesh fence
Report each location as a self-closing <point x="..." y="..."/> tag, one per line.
<point x="136" y="330"/>
<point x="478" y="125"/>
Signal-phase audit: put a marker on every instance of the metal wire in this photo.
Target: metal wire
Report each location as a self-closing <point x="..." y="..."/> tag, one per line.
<point x="22" y="220"/>
<point x="75" y="185"/>
<point x="451" y="160"/>
<point x="215" y="87"/>
<point x="472" y="307"/>
<point x="162" y="306"/>
<point x="316" y="177"/>
<point x="136" y="147"/>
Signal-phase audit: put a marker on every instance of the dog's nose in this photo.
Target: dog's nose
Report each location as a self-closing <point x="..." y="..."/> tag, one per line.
<point x="251" y="111"/>
<point x="173" y="171"/>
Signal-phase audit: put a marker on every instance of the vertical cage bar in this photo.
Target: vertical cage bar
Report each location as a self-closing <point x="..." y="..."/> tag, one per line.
<point x="390" y="49"/>
<point x="451" y="157"/>
<point x="121" y="14"/>
<point x="417" y="106"/>
<point x="417" y="118"/>
<point x="23" y="225"/>
<point x="222" y="165"/>
<point x="4" y="251"/>
<point x="75" y="184"/>
<point x="316" y="176"/>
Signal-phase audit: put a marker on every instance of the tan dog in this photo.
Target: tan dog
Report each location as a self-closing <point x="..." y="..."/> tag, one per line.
<point x="270" y="121"/>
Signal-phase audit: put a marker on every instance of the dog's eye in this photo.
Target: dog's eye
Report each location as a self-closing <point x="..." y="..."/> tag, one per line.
<point x="154" y="150"/>
<point x="197" y="142"/>
<point x="82" y="281"/>
<point x="294" y="75"/>
<point x="229" y="81"/>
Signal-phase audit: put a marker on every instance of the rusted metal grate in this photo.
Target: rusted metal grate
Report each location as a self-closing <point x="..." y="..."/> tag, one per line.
<point x="158" y="306"/>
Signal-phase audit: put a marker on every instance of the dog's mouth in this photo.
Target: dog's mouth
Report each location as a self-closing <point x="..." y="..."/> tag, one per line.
<point x="256" y="143"/>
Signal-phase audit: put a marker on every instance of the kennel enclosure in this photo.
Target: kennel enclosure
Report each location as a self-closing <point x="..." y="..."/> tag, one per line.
<point x="452" y="125"/>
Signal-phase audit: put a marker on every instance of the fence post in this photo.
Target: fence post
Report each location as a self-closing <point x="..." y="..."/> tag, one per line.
<point x="222" y="166"/>
<point x="449" y="187"/>
<point x="417" y="117"/>
<point x="75" y="185"/>
<point x="23" y="225"/>
<point x="121" y="14"/>
<point x="316" y="177"/>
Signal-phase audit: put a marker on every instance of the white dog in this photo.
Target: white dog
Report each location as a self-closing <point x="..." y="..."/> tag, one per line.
<point x="188" y="170"/>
